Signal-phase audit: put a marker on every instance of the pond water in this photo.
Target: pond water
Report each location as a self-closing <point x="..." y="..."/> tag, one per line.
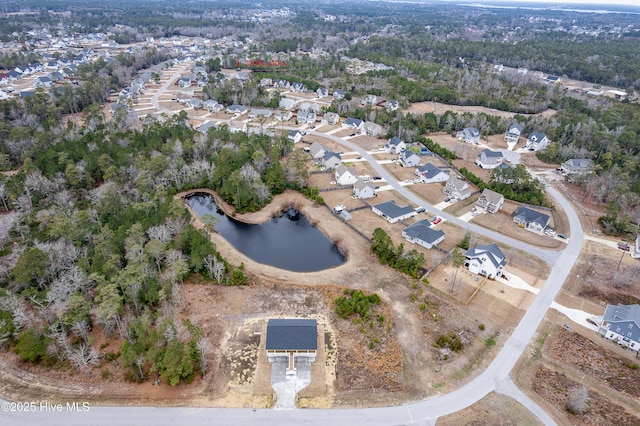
<point x="287" y="242"/>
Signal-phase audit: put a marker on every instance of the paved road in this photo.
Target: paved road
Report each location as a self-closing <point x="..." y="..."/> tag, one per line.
<point x="495" y="378"/>
<point x="548" y="256"/>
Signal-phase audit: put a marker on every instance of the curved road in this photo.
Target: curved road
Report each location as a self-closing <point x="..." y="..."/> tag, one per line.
<point x="494" y="378"/>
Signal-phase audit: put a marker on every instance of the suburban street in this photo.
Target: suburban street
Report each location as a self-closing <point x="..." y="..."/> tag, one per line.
<point x="495" y="378"/>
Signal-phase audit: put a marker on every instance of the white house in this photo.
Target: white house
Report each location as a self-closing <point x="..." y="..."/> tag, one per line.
<point x="488" y="159"/>
<point x="338" y="94"/>
<point x="457" y="189"/>
<point x="286" y="103"/>
<point x="392" y="105"/>
<point x="363" y="190"/>
<point x="395" y="145"/>
<point x="317" y="150"/>
<point x="621" y="324"/>
<point x="331" y="118"/>
<point x="486" y="260"/>
<point x="531" y="220"/>
<point x="370" y="100"/>
<point x="212" y="106"/>
<point x="353" y="123"/>
<point x="408" y="158"/>
<point x="372" y="129"/>
<point x="513" y="133"/>
<point x="636" y="253"/>
<point x="422" y="234"/>
<point x="536" y="142"/>
<point x="577" y="166"/>
<point x="308" y="117"/>
<point x="237" y="109"/>
<point x="345" y="176"/>
<point x="260" y="112"/>
<point x="393" y="212"/>
<point x="331" y="160"/>
<point x="490" y="201"/>
<point x="431" y="174"/>
<point x="237" y="126"/>
<point x="295" y="136"/>
<point x="470" y="135"/>
<point x="322" y="92"/>
<point x="283" y="115"/>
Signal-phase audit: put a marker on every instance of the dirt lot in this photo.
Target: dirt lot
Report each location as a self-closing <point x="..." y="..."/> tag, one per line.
<point x="492" y="410"/>
<point x="438" y="108"/>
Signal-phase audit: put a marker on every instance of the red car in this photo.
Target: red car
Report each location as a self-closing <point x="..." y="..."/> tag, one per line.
<point x="624" y="246"/>
<point x="437" y="221"/>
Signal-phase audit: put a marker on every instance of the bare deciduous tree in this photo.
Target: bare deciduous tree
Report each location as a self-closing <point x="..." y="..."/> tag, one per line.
<point x="578" y="401"/>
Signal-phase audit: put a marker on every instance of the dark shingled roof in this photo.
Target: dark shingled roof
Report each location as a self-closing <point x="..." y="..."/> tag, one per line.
<point x="292" y="335"/>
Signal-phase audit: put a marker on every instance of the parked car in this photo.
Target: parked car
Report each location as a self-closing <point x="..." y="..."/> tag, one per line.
<point x="446" y="200"/>
<point x="420" y="210"/>
<point x="352" y="134"/>
<point x="564" y="237"/>
<point x="437" y="221"/>
<point x="377" y="178"/>
<point x="623" y="246"/>
<point x="550" y="232"/>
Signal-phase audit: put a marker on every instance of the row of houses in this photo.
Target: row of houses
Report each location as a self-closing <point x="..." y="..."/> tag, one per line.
<point x="535" y="142"/>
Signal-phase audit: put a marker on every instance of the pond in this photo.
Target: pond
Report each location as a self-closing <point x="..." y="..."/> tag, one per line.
<point x="288" y="242"/>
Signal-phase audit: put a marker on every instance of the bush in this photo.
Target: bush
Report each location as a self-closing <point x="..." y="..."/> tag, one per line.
<point x="481" y="327"/>
<point x="578" y="401"/>
<point x="489" y="342"/>
<point x="451" y="340"/>
<point x="355" y="302"/>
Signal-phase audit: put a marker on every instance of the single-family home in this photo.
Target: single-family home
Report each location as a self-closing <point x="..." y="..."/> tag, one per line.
<point x="369" y="100"/>
<point x="331" y="118"/>
<point x="490" y="201"/>
<point x="422" y="234"/>
<point x="353" y="123"/>
<point x="372" y="129"/>
<point x="260" y="112"/>
<point x="56" y="76"/>
<point x="43" y="82"/>
<point x="287" y="103"/>
<point x="308" y="117"/>
<point x="317" y="150"/>
<point x="237" y="109"/>
<point x="391" y="105"/>
<point x="292" y="338"/>
<point x="498" y="67"/>
<point x="184" y="82"/>
<point x="470" y="135"/>
<point x="363" y="190"/>
<point x="522" y="71"/>
<point x="486" y="260"/>
<point x="488" y="159"/>
<point x="553" y="79"/>
<point x="237" y="127"/>
<point x="194" y="103"/>
<point x="345" y="176"/>
<point x="457" y="189"/>
<point x="298" y="87"/>
<point x="408" y="158"/>
<point x="577" y="166"/>
<point x="531" y="220"/>
<point x="536" y="141"/>
<point x="331" y="160"/>
<point x="395" y="145"/>
<point x="295" y="136"/>
<point x="504" y="173"/>
<point x="322" y="92"/>
<point x="431" y="174"/>
<point x="393" y="212"/>
<point x="204" y="128"/>
<point x="266" y="82"/>
<point x="212" y="106"/>
<point x="281" y="84"/>
<point x="338" y="94"/>
<point x="513" y="133"/>
<point x="281" y="115"/>
<point x="621" y="324"/>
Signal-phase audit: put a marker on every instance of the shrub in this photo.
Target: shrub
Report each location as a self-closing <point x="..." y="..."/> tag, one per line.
<point x="31" y="346"/>
<point x="578" y="401"/>
<point x="481" y="327"/>
<point x="489" y="342"/>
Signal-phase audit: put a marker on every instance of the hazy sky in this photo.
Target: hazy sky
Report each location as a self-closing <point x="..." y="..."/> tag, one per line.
<point x="590" y="2"/>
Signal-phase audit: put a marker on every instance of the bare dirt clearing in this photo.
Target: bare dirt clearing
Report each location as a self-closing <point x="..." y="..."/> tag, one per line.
<point x="438" y="108"/>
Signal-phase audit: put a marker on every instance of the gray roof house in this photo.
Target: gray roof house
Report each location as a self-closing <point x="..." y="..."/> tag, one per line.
<point x="287" y="103"/>
<point x="393" y="212"/>
<point x="536" y="141"/>
<point x="457" y="188"/>
<point x="513" y="133"/>
<point x="281" y="115"/>
<point x="531" y="220"/>
<point x="392" y="105"/>
<point x="577" y="166"/>
<point x="621" y="324"/>
<point x="372" y="129"/>
<point x="490" y="201"/>
<point x="486" y="260"/>
<point x="503" y="173"/>
<point x="338" y="94"/>
<point x="322" y="92"/>
<point x="408" y="158"/>
<point x="395" y="145"/>
<point x="488" y="159"/>
<point x="331" y="118"/>
<point x="237" y="109"/>
<point x="431" y="174"/>
<point x="364" y="190"/>
<point x="260" y="112"/>
<point x="317" y="150"/>
<point x="470" y="135"/>
<point x="422" y="234"/>
<point x="308" y="117"/>
<point x="295" y="136"/>
<point x="292" y="338"/>
<point x="353" y="123"/>
<point x="331" y="160"/>
<point x="345" y="176"/>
